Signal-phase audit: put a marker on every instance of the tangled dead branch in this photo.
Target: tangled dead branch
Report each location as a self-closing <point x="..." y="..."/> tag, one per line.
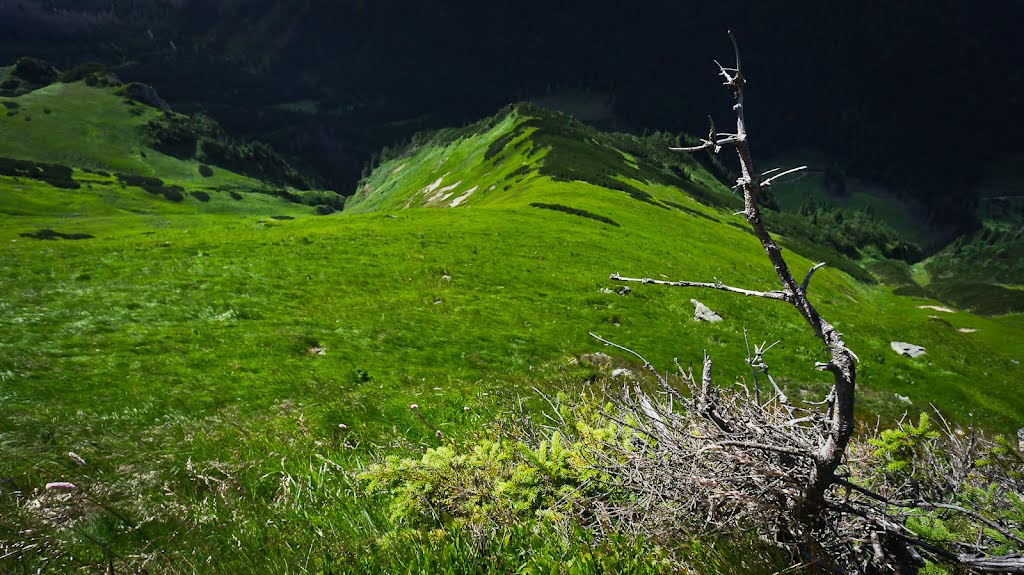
<point x="723" y="459"/>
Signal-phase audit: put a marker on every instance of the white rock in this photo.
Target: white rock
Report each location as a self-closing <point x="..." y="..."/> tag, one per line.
<point x="701" y="312"/>
<point x="904" y="399"/>
<point x="907" y="349"/>
<point x="623" y="372"/>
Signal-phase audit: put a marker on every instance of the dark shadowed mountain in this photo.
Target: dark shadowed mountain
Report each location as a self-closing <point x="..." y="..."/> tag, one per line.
<point x="913" y="95"/>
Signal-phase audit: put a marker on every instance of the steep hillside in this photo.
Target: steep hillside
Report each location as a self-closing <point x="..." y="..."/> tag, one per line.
<point x="87" y="119"/>
<point x="533" y="161"/>
<point x="501" y="160"/>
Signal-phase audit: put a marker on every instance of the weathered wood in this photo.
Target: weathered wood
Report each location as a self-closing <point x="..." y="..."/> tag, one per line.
<point x="733" y="458"/>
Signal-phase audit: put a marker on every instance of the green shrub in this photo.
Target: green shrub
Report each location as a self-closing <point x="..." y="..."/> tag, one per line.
<point x="200" y="195"/>
<point x="501" y="478"/>
<point x="254" y="159"/>
<point x="690" y="211"/>
<point x="147" y="183"/>
<point x="154" y="186"/>
<point x="48" y="234"/>
<point x="35" y="71"/>
<point x="499" y="144"/>
<point x="575" y="212"/>
<point x="205" y="171"/>
<point x="991" y="254"/>
<point x="521" y="171"/>
<point x="898" y="449"/>
<point x="93" y="73"/>
<point x="178" y="135"/>
<point x="324" y="210"/>
<point x="173" y="193"/>
<point x="53" y="174"/>
<point x="979" y="297"/>
<point x="853" y="234"/>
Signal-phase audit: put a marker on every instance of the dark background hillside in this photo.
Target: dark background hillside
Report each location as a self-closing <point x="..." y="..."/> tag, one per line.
<point x="919" y="96"/>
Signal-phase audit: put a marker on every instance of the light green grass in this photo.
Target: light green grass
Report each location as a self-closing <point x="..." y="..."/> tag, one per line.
<point x="88" y="127"/>
<point x="177" y="351"/>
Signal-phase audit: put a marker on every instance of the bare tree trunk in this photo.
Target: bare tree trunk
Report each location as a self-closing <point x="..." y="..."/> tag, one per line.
<point x="776" y="462"/>
<point x="829" y="453"/>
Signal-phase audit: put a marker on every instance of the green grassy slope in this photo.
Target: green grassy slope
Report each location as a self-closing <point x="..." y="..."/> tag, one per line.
<point x="92" y="127"/>
<point x="221" y="370"/>
<point x="101" y="128"/>
<point x="980" y="270"/>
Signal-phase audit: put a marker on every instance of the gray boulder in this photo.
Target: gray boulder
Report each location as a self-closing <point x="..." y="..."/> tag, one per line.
<point x="701" y="312"/>
<point x="145" y="94"/>
<point x="907" y="349"/>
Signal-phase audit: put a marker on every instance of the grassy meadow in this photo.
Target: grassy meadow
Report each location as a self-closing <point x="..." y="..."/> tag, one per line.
<point x="226" y="367"/>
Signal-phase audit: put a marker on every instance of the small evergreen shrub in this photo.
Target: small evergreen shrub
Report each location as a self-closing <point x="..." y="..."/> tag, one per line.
<point x="690" y="211"/>
<point x="496" y="483"/>
<point x="35" y="71"/>
<point x="178" y="135"/>
<point x="147" y="183"/>
<point x="498" y="145"/>
<point x="153" y="185"/>
<point x="48" y="234"/>
<point x="53" y="174"/>
<point x="205" y="171"/>
<point x="324" y="210"/>
<point x="521" y="171"/>
<point x="200" y="195"/>
<point x="575" y="212"/>
<point x="93" y="73"/>
<point x="254" y="159"/>
<point x="174" y="193"/>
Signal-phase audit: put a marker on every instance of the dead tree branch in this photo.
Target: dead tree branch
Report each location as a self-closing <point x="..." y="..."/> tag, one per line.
<point x="731" y="458"/>
<point x="841" y="364"/>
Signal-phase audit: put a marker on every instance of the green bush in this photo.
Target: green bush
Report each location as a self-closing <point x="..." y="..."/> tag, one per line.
<point x="254" y="159"/>
<point x="853" y="234"/>
<point x="499" y="481"/>
<point x="690" y="211"/>
<point x="200" y="195"/>
<point x="147" y="183"/>
<point x="979" y="297"/>
<point x="205" y="171"/>
<point x="48" y="234"/>
<point x="154" y="186"/>
<point x="173" y="193"/>
<point x="898" y="449"/>
<point x="35" y="71"/>
<point x="575" y="212"/>
<point x="991" y="254"/>
<point x="178" y="135"/>
<point x="53" y="174"/>
<point x="93" y="73"/>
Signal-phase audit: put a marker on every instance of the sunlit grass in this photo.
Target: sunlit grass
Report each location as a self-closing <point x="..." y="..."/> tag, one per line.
<point x="224" y="373"/>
